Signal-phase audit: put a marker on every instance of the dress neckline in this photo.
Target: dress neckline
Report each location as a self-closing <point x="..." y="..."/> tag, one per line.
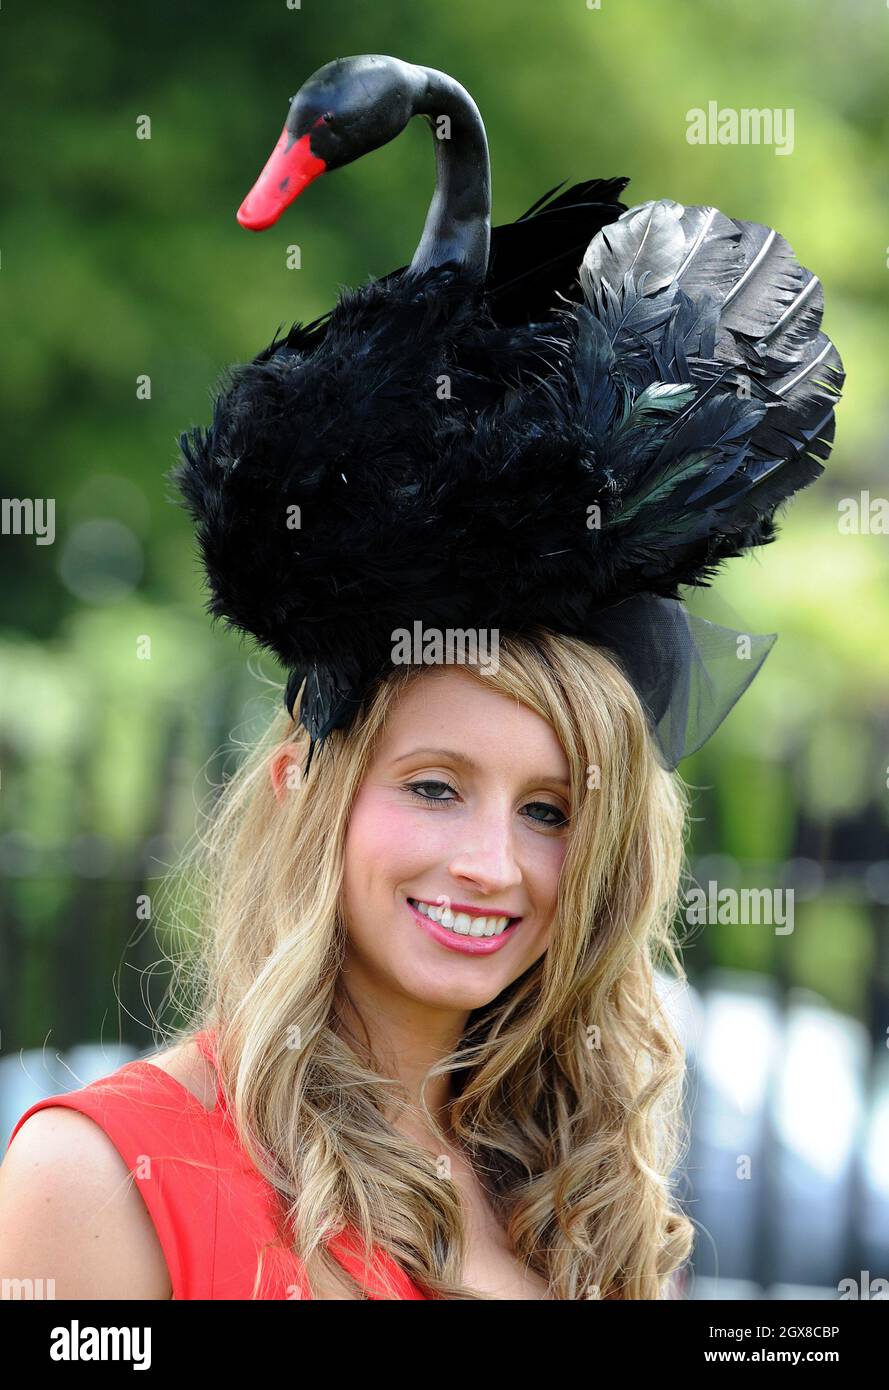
<point x="206" y="1042"/>
<point x="188" y="1098"/>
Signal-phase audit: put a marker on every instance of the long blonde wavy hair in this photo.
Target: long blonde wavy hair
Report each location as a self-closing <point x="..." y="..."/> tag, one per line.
<point x="568" y="1086"/>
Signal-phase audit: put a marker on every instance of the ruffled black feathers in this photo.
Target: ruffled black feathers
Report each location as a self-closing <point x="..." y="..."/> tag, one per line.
<point x="619" y="412"/>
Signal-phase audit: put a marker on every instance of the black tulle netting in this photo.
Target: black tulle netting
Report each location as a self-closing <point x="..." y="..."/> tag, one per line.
<point x="687" y="671"/>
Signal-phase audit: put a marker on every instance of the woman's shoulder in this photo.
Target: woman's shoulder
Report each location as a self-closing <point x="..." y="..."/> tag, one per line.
<point x="70" y="1212"/>
<point x="150" y="1159"/>
<point x="69" y="1202"/>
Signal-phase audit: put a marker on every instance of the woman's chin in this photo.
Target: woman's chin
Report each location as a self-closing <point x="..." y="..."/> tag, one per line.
<point x="462" y="986"/>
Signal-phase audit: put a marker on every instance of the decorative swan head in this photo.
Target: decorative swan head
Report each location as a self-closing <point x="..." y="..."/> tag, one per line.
<point x="354" y="105"/>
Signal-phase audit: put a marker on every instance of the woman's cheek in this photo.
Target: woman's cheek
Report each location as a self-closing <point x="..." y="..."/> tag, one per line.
<point x="544" y="865"/>
<point x="385" y="826"/>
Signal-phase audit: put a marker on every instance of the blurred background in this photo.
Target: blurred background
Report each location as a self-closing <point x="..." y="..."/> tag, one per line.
<point x="129" y="137"/>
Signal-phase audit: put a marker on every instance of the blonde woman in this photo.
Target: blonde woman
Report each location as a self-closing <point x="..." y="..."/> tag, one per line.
<point x="429" y="1059"/>
<point x="494" y="1116"/>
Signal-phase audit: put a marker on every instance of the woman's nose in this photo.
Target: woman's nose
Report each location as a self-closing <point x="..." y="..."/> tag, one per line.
<point x="487" y="856"/>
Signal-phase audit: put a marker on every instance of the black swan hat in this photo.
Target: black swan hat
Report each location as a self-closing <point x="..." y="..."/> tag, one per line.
<point x="557" y="423"/>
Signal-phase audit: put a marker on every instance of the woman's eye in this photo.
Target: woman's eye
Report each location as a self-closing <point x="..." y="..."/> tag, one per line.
<point x="431" y="800"/>
<point x="544" y="806"/>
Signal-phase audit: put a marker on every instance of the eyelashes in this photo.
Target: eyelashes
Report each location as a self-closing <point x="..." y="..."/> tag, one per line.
<point x="430" y="800"/>
<point x="412" y="787"/>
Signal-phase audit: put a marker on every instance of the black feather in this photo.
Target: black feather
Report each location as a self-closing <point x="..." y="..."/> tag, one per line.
<point x="445" y="448"/>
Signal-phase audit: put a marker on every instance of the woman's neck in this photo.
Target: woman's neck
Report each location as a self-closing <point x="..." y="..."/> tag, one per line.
<point x="403" y="1040"/>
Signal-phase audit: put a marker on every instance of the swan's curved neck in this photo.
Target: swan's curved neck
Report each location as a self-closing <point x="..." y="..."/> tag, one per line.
<point x="458" y="223"/>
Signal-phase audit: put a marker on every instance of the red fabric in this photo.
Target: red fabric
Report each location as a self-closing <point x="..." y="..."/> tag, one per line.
<point x="212" y="1210"/>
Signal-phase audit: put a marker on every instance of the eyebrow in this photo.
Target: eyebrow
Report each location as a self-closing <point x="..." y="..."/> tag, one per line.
<point x="464" y="758"/>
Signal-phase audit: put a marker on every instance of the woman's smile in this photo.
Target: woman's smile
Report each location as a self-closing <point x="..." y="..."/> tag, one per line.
<point x="457" y="931"/>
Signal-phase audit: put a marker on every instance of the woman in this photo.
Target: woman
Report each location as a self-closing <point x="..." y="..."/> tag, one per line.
<point x="545" y="448"/>
<point x="502" y="1124"/>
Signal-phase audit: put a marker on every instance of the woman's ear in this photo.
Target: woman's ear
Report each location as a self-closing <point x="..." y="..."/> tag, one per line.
<point x="285" y="771"/>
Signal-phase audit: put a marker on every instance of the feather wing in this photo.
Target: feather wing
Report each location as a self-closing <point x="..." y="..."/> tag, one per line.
<point x="688" y="296"/>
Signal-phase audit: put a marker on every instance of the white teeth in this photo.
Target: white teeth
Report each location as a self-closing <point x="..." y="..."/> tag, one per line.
<point x="461" y="922"/>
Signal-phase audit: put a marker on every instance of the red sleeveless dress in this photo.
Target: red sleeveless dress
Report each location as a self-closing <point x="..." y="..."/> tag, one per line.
<point x="212" y="1210"/>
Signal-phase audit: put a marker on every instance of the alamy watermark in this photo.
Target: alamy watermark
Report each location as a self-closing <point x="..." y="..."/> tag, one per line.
<point x="435" y="646"/>
<point x="29" y="516"/>
<point x="740" y="906"/>
<point x="744" y="125"/>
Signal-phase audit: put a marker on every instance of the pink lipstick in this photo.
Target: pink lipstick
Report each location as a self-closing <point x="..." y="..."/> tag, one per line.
<point x="468" y="945"/>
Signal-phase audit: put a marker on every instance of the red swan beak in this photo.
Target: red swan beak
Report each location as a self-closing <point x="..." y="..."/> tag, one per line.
<point x="291" y="166"/>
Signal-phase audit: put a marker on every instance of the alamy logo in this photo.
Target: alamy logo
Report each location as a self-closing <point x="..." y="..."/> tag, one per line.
<point x="76" y="1343"/>
<point x="29" y="516"/>
<point x="863" y="515"/>
<point x="740" y="906"/>
<point x="27" y="1289"/>
<point x="433" y="646"/>
<point x="745" y="125"/>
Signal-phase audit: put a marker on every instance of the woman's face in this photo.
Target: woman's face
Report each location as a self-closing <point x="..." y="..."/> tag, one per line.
<point x="465" y="806"/>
